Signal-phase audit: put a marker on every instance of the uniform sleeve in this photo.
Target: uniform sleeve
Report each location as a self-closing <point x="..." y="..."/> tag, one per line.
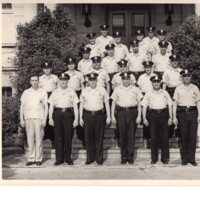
<point x="40" y="81"/>
<point x="22" y="99"/>
<point x="114" y="95"/>
<point x="169" y="100"/>
<point x="51" y="98"/>
<point x="113" y="80"/>
<point x="82" y="78"/>
<point x="126" y="51"/>
<point x="133" y="80"/>
<point x="176" y="95"/>
<point x="145" y="100"/>
<point x="106" y="96"/>
<point x="139" y="82"/>
<point x="57" y="79"/>
<point x="165" y="78"/>
<point x="103" y="64"/>
<point x="79" y="66"/>
<point x="197" y="95"/>
<point x="139" y="95"/>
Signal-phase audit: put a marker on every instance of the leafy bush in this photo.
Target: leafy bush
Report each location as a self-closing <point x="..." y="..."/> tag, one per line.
<point x="186" y="42"/>
<point x="10" y="119"/>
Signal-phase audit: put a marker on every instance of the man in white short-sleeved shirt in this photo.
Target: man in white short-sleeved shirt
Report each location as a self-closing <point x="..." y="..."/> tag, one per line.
<point x="33" y="116"/>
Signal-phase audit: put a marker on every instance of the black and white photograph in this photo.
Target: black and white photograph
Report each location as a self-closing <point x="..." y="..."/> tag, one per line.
<point x="100" y="91"/>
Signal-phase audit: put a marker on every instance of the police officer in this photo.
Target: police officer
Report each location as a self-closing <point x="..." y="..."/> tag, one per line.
<point x="126" y="101"/>
<point x="117" y="79"/>
<point x="145" y="86"/>
<point x="85" y="64"/>
<point x="186" y="114"/>
<point x="161" y="36"/>
<point x="160" y="116"/>
<point x="76" y="82"/>
<point x="109" y="63"/>
<point x="161" y="60"/>
<point x="136" y="58"/>
<point x="63" y="115"/>
<point x="121" y="50"/>
<point x="151" y="42"/>
<point x="171" y="79"/>
<point x="103" y="78"/>
<point x="104" y="39"/>
<point x="48" y="82"/>
<point x="95" y="48"/>
<point x="92" y="118"/>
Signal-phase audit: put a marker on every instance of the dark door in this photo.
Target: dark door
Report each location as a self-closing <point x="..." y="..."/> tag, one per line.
<point x="128" y="21"/>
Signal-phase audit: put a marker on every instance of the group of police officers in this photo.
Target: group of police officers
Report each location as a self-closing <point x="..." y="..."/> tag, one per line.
<point x="113" y="84"/>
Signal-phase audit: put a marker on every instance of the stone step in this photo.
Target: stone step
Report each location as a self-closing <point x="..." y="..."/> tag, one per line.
<point x="113" y="154"/>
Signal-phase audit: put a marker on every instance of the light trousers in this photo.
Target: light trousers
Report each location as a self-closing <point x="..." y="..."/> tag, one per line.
<point x="35" y="133"/>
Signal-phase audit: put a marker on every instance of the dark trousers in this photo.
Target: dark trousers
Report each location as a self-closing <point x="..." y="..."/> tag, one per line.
<point x="126" y="127"/>
<point x="172" y="131"/>
<point x="158" y="126"/>
<point x="94" y="125"/>
<point x="187" y="123"/>
<point x="63" y="133"/>
<point x="79" y="129"/>
<point x="48" y="130"/>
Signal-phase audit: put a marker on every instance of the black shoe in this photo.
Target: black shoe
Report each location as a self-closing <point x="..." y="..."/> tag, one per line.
<point x="123" y="162"/>
<point x="29" y="163"/>
<point x="153" y="162"/>
<point x="193" y="163"/>
<point x="38" y="163"/>
<point x="88" y="162"/>
<point x="130" y="162"/>
<point x="184" y="163"/>
<point x="69" y="162"/>
<point x="165" y="162"/>
<point x="57" y="163"/>
<point x="100" y="163"/>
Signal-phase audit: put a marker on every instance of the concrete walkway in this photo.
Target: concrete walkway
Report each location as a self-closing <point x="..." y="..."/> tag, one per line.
<point x="14" y="169"/>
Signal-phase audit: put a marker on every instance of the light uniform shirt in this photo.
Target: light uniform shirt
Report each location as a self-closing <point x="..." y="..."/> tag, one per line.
<point x="102" y="78"/>
<point x="145" y="83"/>
<point x="121" y="51"/>
<point x="94" y="99"/>
<point x="187" y="95"/>
<point x="169" y="48"/>
<point x="33" y="102"/>
<point x="103" y="41"/>
<point x="127" y="96"/>
<point x="172" y="77"/>
<point x="151" y="44"/>
<point x="95" y="50"/>
<point x="117" y="80"/>
<point x="63" y="98"/>
<point x="85" y="66"/>
<point x="161" y="62"/>
<point x="48" y="83"/>
<point x="157" y="99"/>
<point x="75" y="81"/>
<point x="142" y="48"/>
<point x="135" y="62"/>
<point x="109" y="64"/>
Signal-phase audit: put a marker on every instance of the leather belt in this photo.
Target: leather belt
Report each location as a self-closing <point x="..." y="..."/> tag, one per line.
<point x="157" y="110"/>
<point x="94" y="112"/>
<point x="119" y="108"/>
<point x="69" y="109"/>
<point x="186" y="109"/>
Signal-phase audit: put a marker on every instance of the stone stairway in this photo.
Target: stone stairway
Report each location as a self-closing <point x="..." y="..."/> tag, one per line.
<point x="112" y="151"/>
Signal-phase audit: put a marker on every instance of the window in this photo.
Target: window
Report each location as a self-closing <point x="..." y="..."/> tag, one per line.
<point x="6" y="6"/>
<point x="138" y="22"/>
<point x="118" y="23"/>
<point x="6" y="91"/>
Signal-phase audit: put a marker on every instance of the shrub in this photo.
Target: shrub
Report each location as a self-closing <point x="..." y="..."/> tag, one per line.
<point x="186" y="42"/>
